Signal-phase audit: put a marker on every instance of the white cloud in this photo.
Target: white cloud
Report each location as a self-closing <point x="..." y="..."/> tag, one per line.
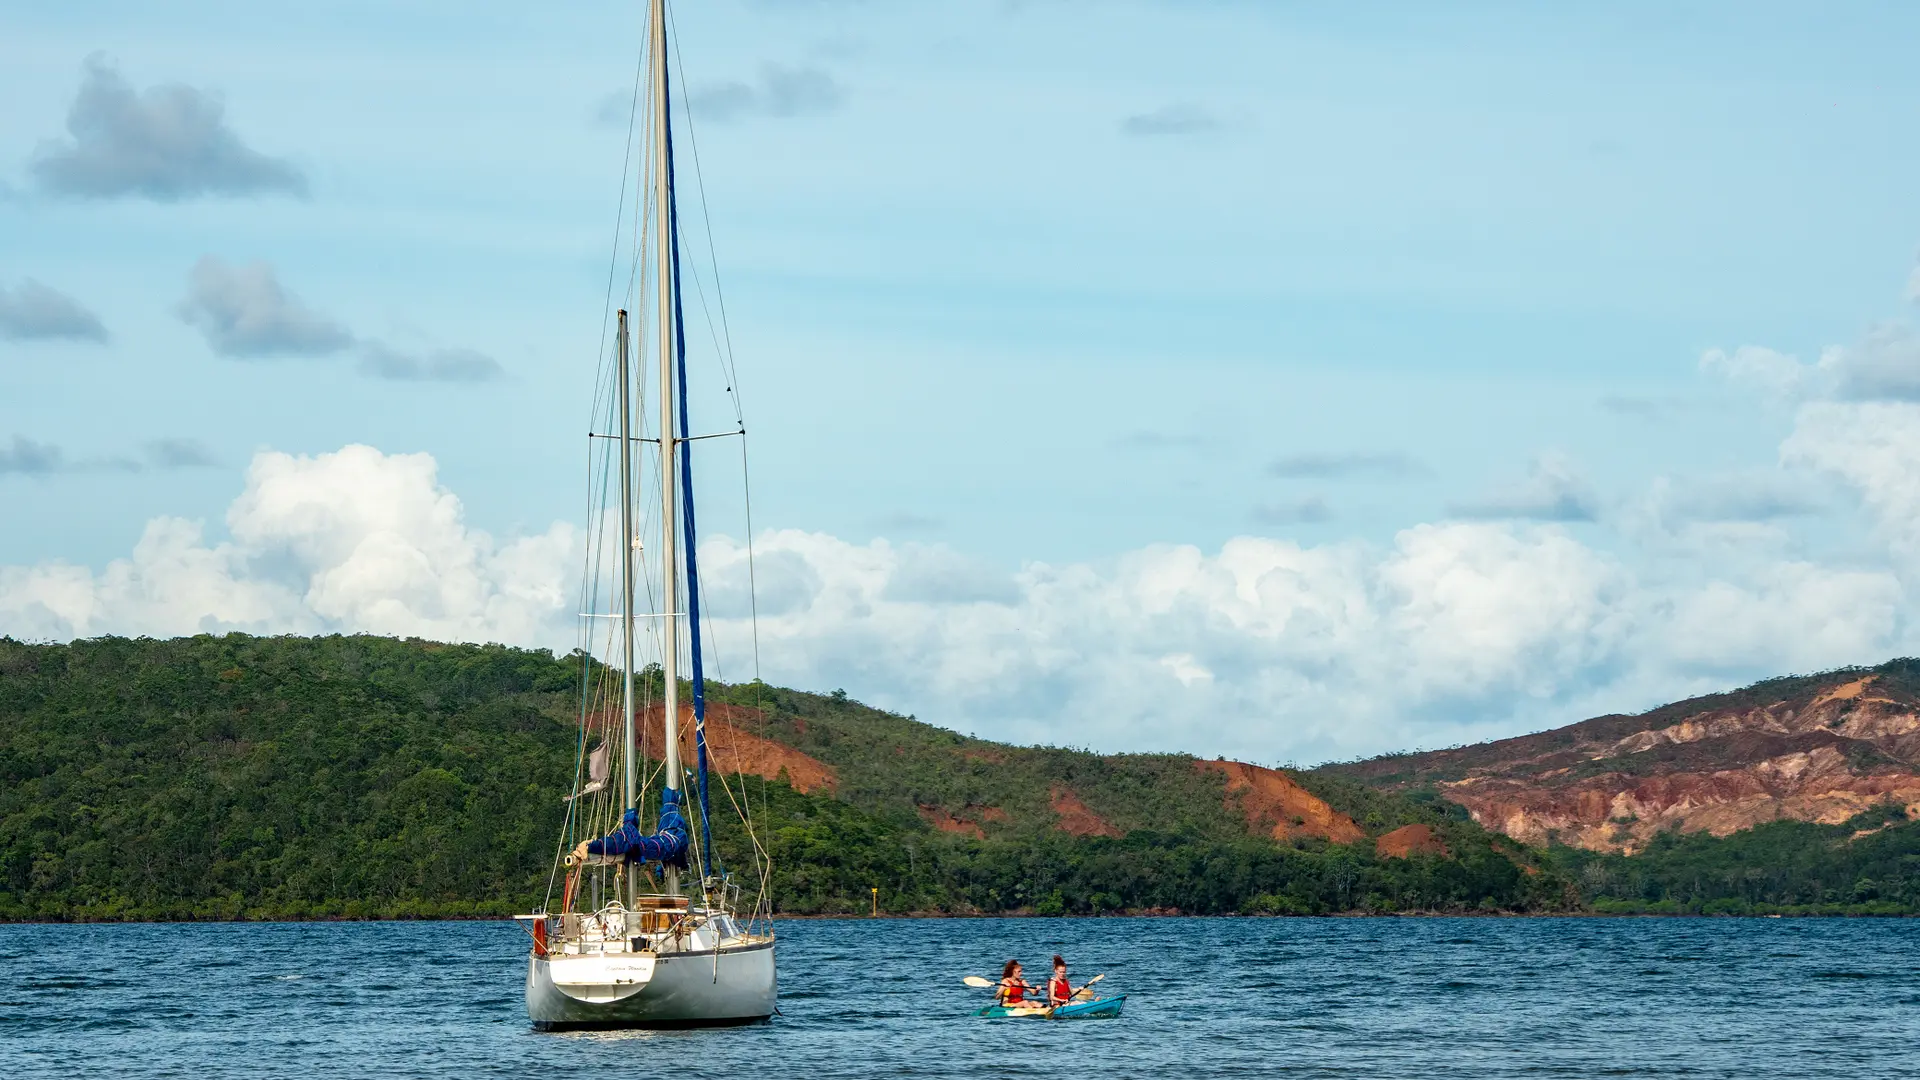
<point x="1874" y="446"/>
<point x="1767" y="370"/>
<point x="354" y="540"/>
<point x="1270" y="649"/>
<point x="1884" y="365"/>
<point x="1264" y="648"/>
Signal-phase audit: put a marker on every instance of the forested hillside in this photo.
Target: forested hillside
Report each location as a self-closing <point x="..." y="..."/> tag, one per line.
<point x="243" y="777"/>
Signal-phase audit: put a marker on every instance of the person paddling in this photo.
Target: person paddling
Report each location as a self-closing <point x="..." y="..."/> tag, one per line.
<point x="1059" y="990"/>
<point x="1013" y="989"/>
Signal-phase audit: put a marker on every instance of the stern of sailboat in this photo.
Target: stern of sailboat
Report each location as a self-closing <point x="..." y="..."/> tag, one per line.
<point x="663" y="963"/>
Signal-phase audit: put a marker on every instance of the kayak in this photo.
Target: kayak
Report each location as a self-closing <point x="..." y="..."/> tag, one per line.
<point x="1095" y="1008"/>
<point x="1088" y="1010"/>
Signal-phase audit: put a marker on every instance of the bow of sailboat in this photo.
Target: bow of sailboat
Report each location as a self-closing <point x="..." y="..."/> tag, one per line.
<point x="644" y="924"/>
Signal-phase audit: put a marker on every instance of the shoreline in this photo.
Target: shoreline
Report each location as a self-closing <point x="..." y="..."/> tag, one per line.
<point x="1008" y="915"/>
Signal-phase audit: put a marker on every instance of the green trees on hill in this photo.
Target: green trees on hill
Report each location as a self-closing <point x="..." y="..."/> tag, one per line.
<point x="235" y="776"/>
<point x="1867" y="866"/>
<point x="207" y="777"/>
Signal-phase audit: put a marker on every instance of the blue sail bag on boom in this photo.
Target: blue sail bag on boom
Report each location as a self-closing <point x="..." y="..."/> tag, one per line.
<point x="668" y="845"/>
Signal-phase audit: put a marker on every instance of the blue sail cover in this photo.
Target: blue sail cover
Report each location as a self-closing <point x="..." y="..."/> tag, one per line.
<point x="692" y="545"/>
<point x="669" y="845"/>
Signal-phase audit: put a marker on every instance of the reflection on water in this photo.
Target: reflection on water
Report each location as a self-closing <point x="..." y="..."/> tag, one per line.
<point x="1417" y="998"/>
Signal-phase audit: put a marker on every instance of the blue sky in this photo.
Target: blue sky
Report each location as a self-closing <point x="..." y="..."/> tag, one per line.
<point x="1019" y="285"/>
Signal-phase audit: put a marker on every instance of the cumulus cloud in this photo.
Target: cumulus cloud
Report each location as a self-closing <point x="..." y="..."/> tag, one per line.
<point x="1343" y="466"/>
<point x="165" y="143"/>
<point x="1178" y="118"/>
<point x="935" y="573"/>
<point x="1264" y="648"/>
<point x="244" y="312"/>
<point x="1552" y="491"/>
<point x="779" y="92"/>
<point x="31" y="311"/>
<point x="1270" y="649"/>
<point x="433" y="365"/>
<point x="1874" y="448"/>
<point x="1768" y="370"/>
<point x="354" y="540"/>
<point x="1884" y="365"/>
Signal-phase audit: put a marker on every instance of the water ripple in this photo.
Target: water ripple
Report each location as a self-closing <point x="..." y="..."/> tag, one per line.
<point x="1431" y="999"/>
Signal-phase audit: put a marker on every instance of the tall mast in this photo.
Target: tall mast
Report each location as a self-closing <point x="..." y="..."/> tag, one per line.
<point x="669" y="476"/>
<point x="629" y="746"/>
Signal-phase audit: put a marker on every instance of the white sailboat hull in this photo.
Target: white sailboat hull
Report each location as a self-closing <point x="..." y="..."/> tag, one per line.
<point x="708" y="988"/>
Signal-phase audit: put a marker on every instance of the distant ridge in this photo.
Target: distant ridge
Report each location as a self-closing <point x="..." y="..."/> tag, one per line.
<point x="1814" y="748"/>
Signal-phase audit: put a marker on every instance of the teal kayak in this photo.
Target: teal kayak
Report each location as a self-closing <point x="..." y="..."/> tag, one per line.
<point x="1096" y="1008"/>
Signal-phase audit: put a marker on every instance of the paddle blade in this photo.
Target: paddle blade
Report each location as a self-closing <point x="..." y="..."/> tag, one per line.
<point x="1093" y="980"/>
<point x="977" y="981"/>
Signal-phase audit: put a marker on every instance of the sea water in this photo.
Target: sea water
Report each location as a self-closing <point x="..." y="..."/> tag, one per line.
<point x="1425" y="998"/>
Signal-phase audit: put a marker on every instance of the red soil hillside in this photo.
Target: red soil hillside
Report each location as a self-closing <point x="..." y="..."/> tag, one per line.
<point x="1076" y="819"/>
<point x="1409" y="840"/>
<point x="733" y="747"/>
<point x="1274" y="804"/>
<point x="1814" y="748"/>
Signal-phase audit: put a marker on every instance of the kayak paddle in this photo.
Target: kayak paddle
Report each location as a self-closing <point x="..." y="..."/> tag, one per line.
<point x="981" y="983"/>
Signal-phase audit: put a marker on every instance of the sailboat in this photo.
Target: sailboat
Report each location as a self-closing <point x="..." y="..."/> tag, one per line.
<point x="647" y="930"/>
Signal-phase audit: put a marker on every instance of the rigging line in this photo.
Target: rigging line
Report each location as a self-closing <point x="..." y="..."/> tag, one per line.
<point x="719" y="352"/>
<point x="731" y="368"/>
<point x="744" y="813"/>
<point x="620" y="210"/>
<point x="656" y="442"/>
<point x="706" y="217"/>
<point x="586" y="677"/>
<point x="753" y="602"/>
<point x="642" y="220"/>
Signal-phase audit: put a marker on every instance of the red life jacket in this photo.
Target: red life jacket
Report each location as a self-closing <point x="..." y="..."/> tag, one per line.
<point x="1059" y="990"/>
<point x="1013" y="994"/>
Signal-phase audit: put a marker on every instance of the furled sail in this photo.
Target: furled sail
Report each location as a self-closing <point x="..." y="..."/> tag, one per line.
<point x="599" y="763"/>
<point x="686" y="517"/>
<point x="668" y="845"/>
